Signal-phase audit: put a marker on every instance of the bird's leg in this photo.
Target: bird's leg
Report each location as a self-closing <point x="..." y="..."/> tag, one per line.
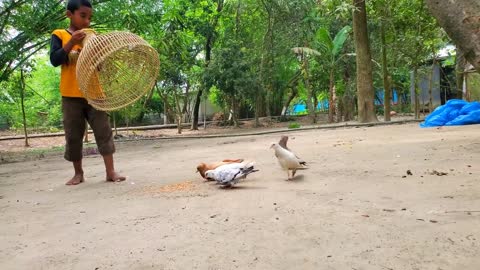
<point x="294" y="171"/>
<point x="288" y="173"/>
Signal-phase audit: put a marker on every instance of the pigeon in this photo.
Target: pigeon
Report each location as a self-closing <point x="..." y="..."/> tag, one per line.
<point x="283" y="143"/>
<point x="288" y="160"/>
<point x="203" y="167"/>
<point x="230" y="174"/>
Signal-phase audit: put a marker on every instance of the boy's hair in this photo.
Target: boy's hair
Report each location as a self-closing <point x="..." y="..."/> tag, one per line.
<point x="76" y="4"/>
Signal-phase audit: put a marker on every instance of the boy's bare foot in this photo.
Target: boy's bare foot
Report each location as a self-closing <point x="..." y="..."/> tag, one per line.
<point x="115" y="177"/>
<point x="76" y="179"/>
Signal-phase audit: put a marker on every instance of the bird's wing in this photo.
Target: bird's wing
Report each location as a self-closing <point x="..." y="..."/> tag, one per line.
<point x="287" y="159"/>
<point x="233" y="160"/>
<point x="283" y="143"/>
<point x="230" y="166"/>
<point x="228" y="175"/>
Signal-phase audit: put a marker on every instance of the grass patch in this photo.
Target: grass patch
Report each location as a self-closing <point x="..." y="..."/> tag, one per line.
<point x="294" y="125"/>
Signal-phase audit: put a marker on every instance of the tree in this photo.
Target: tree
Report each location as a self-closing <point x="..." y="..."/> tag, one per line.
<point x="365" y="91"/>
<point x="461" y="20"/>
<point x="328" y="52"/>
<point x="208" y="30"/>
<point x="23" y="25"/>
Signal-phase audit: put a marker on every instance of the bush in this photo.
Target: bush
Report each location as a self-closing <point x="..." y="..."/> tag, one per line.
<point x="294" y="125"/>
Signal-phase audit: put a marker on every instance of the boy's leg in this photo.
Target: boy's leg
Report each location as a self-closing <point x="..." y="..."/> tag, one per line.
<point x="78" y="177"/>
<point x="99" y="122"/>
<point x="74" y="126"/>
<point x="112" y="175"/>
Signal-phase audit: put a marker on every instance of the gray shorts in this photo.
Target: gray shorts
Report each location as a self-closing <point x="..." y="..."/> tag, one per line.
<point x="75" y="112"/>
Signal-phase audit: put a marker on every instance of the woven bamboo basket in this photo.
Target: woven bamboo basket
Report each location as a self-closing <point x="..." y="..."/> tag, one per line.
<point x="116" y="69"/>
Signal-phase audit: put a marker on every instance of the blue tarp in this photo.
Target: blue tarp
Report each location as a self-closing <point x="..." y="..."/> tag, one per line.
<point x="380" y="96"/>
<point x="455" y="112"/>
<point x="302" y="108"/>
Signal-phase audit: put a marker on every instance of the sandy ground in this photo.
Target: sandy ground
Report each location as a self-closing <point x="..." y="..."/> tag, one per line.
<point x="355" y="208"/>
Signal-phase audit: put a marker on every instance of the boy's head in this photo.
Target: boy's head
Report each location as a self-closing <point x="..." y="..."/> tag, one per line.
<point x="80" y="13"/>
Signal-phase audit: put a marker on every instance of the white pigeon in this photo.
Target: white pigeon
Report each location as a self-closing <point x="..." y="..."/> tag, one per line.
<point x="283" y="143"/>
<point x="230" y="174"/>
<point x="288" y="160"/>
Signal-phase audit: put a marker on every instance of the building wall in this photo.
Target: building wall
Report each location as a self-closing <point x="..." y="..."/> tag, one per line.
<point x="423" y="86"/>
<point x="205" y="106"/>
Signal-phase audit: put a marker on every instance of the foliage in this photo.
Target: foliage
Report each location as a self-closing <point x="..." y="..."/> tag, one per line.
<point x="294" y="125"/>
<point x="250" y="66"/>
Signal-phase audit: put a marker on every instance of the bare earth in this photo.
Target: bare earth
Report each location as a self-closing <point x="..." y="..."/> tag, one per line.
<point x="355" y="208"/>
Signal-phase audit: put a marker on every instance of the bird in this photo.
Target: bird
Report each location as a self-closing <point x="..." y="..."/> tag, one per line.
<point x="230" y="174"/>
<point x="283" y="143"/>
<point x="288" y="160"/>
<point x="203" y="167"/>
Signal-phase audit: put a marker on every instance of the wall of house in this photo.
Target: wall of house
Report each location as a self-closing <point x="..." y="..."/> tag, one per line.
<point x="424" y="84"/>
<point x="205" y="107"/>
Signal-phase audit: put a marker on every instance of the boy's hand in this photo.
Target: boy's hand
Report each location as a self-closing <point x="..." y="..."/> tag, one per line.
<point x="77" y="37"/>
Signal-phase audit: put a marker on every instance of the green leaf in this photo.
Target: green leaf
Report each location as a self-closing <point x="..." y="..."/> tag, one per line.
<point x="340" y="39"/>
<point x="325" y="40"/>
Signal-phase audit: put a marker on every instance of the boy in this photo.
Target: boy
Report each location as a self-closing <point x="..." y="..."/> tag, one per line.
<point x="74" y="107"/>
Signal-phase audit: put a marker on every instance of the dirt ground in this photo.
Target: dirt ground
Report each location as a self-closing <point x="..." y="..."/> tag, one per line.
<point x="388" y="197"/>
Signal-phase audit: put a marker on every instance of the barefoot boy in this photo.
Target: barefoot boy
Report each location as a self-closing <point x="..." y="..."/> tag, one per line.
<point x="74" y="107"/>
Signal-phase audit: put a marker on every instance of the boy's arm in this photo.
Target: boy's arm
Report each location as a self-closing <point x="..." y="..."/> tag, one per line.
<point x="58" y="54"/>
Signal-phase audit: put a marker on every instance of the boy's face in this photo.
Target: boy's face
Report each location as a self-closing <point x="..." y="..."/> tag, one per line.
<point x="80" y="18"/>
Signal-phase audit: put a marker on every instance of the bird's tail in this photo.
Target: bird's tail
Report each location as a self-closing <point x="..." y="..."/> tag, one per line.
<point x="249" y="170"/>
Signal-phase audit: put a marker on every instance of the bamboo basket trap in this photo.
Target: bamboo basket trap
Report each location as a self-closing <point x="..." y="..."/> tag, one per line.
<point x="116" y="69"/>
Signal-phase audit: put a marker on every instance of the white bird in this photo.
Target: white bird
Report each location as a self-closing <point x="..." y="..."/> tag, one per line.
<point x="230" y="174"/>
<point x="288" y="160"/>
<point x="283" y="143"/>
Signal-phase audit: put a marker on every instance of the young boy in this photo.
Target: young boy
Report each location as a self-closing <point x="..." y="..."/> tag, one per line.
<point x="74" y="107"/>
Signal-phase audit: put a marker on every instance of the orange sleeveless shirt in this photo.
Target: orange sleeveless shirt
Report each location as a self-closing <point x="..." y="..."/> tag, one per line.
<point x="68" y="78"/>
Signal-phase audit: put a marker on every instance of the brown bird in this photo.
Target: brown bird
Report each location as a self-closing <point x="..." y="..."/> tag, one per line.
<point x="283" y="144"/>
<point x="203" y="167"/>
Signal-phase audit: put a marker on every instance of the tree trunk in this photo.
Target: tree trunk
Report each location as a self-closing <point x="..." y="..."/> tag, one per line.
<point x="366" y="106"/>
<point x="331" y="96"/>
<point x="266" y="65"/>
<point x="416" y="102"/>
<point x="387" y="96"/>
<point x="178" y="111"/>
<point x="309" y="101"/>
<point x="460" y="64"/>
<point x="179" y="123"/>
<point x="292" y="95"/>
<point x="257" y="111"/>
<point x="461" y="20"/>
<point x="115" y="124"/>
<point x="468" y="96"/>
<point x="22" y="100"/>
<point x="235" y="112"/>
<point x="430" y="86"/>
<point x="165" y="112"/>
<point x="348" y="99"/>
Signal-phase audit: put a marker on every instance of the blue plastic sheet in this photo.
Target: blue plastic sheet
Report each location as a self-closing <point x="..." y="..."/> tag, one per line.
<point x="455" y="112"/>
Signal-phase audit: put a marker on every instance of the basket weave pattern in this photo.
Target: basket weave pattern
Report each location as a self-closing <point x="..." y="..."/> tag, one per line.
<point x="116" y="69"/>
